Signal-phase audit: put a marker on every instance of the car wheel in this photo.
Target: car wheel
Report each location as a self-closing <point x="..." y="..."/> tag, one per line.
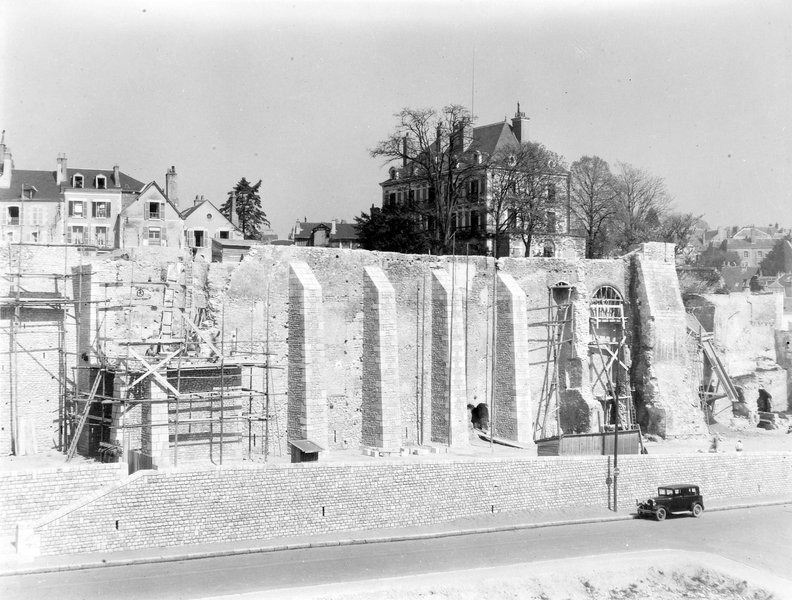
<point x="660" y="515"/>
<point x="697" y="510"/>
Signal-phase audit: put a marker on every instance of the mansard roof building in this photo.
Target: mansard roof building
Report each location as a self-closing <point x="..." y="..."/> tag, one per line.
<point x="473" y="215"/>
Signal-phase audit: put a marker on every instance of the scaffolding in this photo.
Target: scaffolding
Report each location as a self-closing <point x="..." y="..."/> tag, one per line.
<point x="176" y="359"/>
<point x="610" y="373"/>
<point x="559" y="315"/>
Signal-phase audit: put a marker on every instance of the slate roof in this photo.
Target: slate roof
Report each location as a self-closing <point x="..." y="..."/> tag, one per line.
<point x="487" y="139"/>
<point x="344" y="231"/>
<point x="187" y="212"/>
<point x="43" y="181"/>
<point x="738" y="244"/>
<point x="128" y="184"/>
<point x="736" y="278"/>
<point x="48" y="189"/>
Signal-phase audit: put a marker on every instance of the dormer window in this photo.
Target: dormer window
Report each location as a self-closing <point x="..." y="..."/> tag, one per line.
<point x="392" y="172"/>
<point x="78" y="181"/>
<point x="101" y="182"/>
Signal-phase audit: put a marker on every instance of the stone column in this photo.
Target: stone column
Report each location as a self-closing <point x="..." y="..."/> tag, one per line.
<point x="381" y="407"/>
<point x="512" y="418"/>
<point x="449" y="395"/>
<point x="307" y="399"/>
<point x="155" y="436"/>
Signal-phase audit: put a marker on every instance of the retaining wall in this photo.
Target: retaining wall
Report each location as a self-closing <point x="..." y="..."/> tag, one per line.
<point x="154" y="509"/>
<point x="33" y="494"/>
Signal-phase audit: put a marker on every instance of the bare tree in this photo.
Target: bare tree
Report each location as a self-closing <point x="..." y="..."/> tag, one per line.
<point x="642" y="201"/>
<point x="593" y="200"/>
<point x="678" y="228"/>
<point x="524" y="184"/>
<point x="431" y="146"/>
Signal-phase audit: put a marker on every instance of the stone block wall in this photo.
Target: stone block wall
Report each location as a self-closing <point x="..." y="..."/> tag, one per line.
<point x="154" y="509"/>
<point x="31" y="494"/>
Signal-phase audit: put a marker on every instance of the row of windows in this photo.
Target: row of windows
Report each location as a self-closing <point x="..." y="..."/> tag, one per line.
<point x="79" y="234"/>
<point x="101" y="210"/>
<point x="199" y="238"/>
<point x="35" y="215"/>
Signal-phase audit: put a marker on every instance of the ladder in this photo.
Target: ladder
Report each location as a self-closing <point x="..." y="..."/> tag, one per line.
<point x="83" y="418"/>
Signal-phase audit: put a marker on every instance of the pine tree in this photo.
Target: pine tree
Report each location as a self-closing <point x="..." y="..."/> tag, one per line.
<point x="248" y="208"/>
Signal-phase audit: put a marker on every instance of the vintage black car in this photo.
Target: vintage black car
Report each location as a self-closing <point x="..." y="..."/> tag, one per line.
<point x="672" y="499"/>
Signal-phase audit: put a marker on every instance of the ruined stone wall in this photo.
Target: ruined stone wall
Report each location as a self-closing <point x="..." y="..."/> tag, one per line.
<point x="743" y="324"/>
<point x="250" y="301"/>
<point x="174" y="508"/>
<point x="662" y="371"/>
<point x="262" y="280"/>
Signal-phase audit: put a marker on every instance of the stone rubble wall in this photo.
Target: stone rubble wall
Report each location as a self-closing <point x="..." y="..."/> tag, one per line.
<point x="155" y="509"/>
<point x="663" y="372"/>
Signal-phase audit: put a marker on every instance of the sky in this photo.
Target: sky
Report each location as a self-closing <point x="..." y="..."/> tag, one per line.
<point x="297" y="93"/>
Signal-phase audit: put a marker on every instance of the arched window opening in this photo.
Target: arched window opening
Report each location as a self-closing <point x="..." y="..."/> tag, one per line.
<point x="609" y="367"/>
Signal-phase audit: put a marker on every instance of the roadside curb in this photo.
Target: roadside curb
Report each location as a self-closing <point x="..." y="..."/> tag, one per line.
<point x="96" y="564"/>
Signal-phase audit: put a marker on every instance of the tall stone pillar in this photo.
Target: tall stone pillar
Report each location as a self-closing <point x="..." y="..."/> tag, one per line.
<point x="381" y="407"/>
<point x="512" y="414"/>
<point x="155" y="435"/>
<point x="449" y="394"/>
<point x="307" y="400"/>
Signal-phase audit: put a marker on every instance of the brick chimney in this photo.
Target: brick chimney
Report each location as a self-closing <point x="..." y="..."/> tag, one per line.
<point x="333" y="227"/>
<point x="520" y="125"/>
<point x="461" y="135"/>
<point x="116" y="176"/>
<point x="171" y="187"/>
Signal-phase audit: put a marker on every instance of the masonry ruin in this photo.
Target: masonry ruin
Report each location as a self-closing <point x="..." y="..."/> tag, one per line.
<point x="161" y="360"/>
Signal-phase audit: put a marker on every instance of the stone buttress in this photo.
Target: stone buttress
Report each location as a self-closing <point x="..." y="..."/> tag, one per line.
<point x="307" y="397"/>
<point x="449" y="401"/>
<point x="380" y="403"/>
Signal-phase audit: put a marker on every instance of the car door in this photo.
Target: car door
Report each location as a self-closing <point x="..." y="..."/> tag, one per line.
<point x="678" y="501"/>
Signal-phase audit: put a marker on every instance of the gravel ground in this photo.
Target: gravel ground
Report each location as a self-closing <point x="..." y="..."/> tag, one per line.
<point x="654" y="575"/>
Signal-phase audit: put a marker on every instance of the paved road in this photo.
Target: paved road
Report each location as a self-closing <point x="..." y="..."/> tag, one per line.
<point x="758" y="537"/>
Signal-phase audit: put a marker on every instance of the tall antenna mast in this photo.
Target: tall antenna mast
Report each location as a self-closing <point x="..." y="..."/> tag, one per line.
<point x="473" y="86"/>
